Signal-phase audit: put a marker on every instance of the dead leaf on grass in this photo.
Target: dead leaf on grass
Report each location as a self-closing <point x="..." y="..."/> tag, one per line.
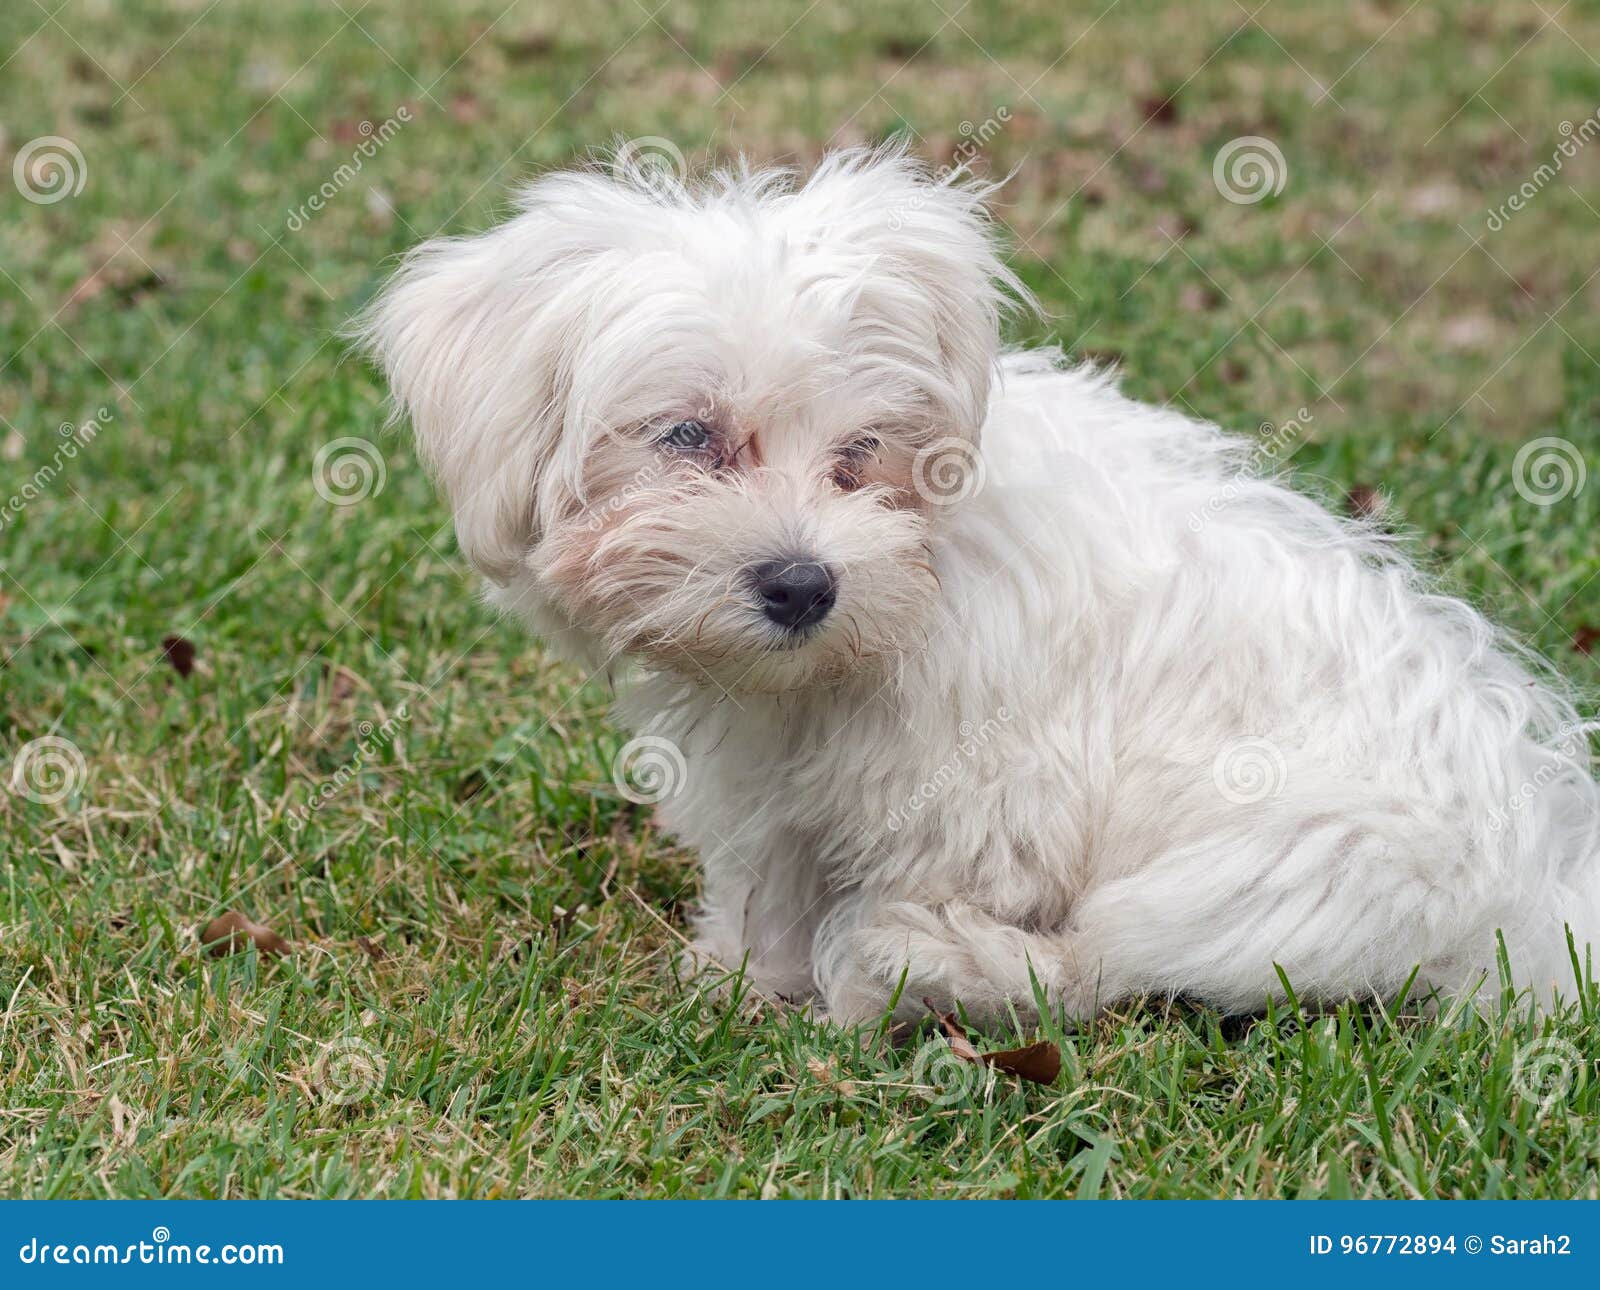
<point x="1038" y="1063"/>
<point x="233" y="933"/>
<point x="180" y="653"/>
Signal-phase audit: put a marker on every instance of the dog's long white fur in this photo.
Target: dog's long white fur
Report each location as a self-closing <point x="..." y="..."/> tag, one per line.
<point x="1129" y="718"/>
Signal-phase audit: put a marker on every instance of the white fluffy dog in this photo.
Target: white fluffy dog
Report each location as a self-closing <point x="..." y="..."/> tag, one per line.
<point x="982" y="674"/>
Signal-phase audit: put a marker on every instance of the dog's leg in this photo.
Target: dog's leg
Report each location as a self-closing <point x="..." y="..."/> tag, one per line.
<point x="1344" y="910"/>
<point x="761" y="911"/>
<point x="947" y="953"/>
<point x="1344" y="907"/>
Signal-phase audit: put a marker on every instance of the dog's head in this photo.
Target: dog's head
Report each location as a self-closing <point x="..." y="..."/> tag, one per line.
<point x="711" y="426"/>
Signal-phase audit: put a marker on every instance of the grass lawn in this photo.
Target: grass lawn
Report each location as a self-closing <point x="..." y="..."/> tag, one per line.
<point x="337" y="741"/>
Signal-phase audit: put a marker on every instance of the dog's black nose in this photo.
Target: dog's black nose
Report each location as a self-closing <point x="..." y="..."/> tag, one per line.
<point x="794" y="593"/>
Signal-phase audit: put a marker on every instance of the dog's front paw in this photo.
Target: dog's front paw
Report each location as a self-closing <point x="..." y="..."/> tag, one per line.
<point x="717" y="968"/>
<point x="705" y="957"/>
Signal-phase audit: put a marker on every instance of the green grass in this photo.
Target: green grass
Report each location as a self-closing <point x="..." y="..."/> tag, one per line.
<point x="480" y="998"/>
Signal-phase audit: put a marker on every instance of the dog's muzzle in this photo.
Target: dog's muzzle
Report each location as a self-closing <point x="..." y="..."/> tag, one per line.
<point x="794" y="593"/>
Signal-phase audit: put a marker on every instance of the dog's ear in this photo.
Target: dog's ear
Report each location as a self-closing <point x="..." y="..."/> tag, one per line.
<point x="935" y="277"/>
<point x="475" y="335"/>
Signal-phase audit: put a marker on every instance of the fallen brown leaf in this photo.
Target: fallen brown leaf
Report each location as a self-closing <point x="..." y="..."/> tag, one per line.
<point x="180" y="653"/>
<point x="1038" y="1063"/>
<point x="955" y="1035"/>
<point x="232" y="933"/>
<point x="904" y="48"/>
<point x="372" y="949"/>
<point x="349" y="129"/>
<point x="126" y="269"/>
<point x="1161" y="110"/>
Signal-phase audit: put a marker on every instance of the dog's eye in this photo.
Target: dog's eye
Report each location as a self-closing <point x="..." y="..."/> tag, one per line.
<point x="687" y="436"/>
<point x="853" y="459"/>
